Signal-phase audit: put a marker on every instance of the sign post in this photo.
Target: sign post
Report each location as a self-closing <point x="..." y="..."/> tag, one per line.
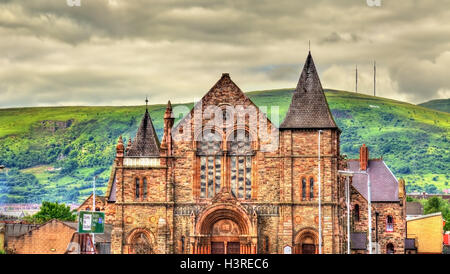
<point x="91" y="222"/>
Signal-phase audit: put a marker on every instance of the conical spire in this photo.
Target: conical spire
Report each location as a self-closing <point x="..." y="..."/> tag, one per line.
<point x="146" y="142"/>
<point x="309" y="107"/>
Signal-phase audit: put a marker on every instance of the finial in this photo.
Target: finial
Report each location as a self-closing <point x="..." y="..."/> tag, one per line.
<point x="146" y="103"/>
<point x="309" y="46"/>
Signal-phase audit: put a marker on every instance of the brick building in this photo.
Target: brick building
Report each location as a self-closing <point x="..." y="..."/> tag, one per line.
<point x="227" y="180"/>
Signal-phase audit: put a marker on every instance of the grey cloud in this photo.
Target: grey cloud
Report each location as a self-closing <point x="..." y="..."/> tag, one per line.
<point x="55" y="54"/>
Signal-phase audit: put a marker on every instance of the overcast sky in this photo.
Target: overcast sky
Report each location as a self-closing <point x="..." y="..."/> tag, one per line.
<point x="116" y="52"/>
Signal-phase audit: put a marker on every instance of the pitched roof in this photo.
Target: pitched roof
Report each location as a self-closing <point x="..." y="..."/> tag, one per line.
<point x="309" y="107"/>
<point x="146" y="142"/>
<point x="384" y="185"/>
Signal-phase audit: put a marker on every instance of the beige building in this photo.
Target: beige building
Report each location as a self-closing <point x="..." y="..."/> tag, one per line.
<point x="427" y="231"/>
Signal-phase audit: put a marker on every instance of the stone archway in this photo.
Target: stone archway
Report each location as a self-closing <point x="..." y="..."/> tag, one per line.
<point x="306" y="242"/>
<point x="140" y="241"/>
<point x="224" y="229"/>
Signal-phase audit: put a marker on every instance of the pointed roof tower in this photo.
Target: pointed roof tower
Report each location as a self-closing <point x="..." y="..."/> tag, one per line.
<point x="146" y="142"/>
<point x="309" y="107"/>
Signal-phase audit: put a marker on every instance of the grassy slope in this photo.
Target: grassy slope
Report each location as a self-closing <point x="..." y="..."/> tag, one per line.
<point x="412" y="139"/>
<point x="439" y="104"/>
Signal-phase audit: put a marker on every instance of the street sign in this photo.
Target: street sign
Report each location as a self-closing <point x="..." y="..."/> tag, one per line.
<point x="91" y="222"/>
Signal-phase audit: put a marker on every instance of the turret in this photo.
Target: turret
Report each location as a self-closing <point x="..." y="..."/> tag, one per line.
<point x="119" y="151"/>
<point x="168" y="124"/>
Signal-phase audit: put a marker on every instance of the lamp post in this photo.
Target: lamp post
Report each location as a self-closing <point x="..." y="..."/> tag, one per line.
<point x="347" y="174"/>
<point x="320" y="199"/>
<point x="369" y="204"/>
<point x="93" y="208"/>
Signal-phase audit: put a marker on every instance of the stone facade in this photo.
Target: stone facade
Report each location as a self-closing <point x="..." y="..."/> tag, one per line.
<point x="258" y="194"/>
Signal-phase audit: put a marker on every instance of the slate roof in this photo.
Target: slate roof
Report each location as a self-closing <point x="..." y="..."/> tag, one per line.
<point x="146" y="142"/>
<point x="309" y="107"/>
<point x="414" y="208"/>
<point x="358" y="240"/>
<point x="384" y="185"/>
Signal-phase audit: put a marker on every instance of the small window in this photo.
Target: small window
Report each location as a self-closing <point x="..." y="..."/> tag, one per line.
<point x="266" y="244"/>
<point x="144" y="188"/>
<point x="137" y="186"/>
<point x="182" y="244"/>
<point x="389" y="224"/>
<point x="303" y="189"/>
<point x="356" y="213"/>
<point x="311" y="188"/>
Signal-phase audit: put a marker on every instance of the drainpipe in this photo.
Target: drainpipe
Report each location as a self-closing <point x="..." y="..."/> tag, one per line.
<point x="320" y="201"/>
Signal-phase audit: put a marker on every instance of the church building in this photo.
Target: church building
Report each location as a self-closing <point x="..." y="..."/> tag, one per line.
<point x="225" y="180"/>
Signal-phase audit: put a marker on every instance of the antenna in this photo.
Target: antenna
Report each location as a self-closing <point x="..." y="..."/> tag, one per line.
<point x="309" y="45"/>
<point x="374" y="78"/>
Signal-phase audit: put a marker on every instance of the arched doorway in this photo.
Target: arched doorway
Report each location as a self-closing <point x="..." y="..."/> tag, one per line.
<point x="140" y="242"/>
<point x="390" y="248"/>
<point x="306" y="242"/>
<point x="224" y="229"/>
<point x="225" y="237"/>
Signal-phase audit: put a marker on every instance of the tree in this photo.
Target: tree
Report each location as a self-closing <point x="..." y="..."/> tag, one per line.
<point x="437" y="204"/>
<point x="49" y="211"/>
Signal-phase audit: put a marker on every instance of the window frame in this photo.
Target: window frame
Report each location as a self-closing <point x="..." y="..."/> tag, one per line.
<point x="391" y="229"/>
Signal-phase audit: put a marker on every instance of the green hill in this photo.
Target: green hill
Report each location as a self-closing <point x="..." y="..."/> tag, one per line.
<point x="439" y="104"/>
<point x="52" y="153"/>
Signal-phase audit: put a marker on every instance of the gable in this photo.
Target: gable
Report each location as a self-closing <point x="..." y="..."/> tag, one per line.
<point x="224" y="95"/>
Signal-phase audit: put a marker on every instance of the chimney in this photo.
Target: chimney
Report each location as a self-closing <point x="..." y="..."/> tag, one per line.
<point x="363" y="157"/>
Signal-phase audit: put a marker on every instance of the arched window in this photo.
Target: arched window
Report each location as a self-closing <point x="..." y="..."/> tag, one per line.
<point x="144" y="188"/>
<point x="356" y="213"/>
<point x="311" y="188"/>
<point x="389" y="223"/>
<point x="209" y="150"/>
<point x="390" y="248"/>
<point x="240" y="150"/>
<point x="303" y="189"/>
<point x="137" y="188"/>
<point x="182" y="244"/>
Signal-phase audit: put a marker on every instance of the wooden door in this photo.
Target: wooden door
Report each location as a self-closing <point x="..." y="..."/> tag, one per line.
<point x="233" y="248"/>
<point x="308" y="249"/>
<point x="217" y="248"/>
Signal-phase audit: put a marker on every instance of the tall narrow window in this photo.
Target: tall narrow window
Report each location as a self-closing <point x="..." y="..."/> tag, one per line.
<point x="356" y="213"/>
<point x="311" y="188"/>
<point x="240" y="149"/>
<point x="209" y="150"/>
<point x="137" y="186"/>
<point x="144" y="188"/>
<point x="389" y="223"/>
<point x="303" y="189"/>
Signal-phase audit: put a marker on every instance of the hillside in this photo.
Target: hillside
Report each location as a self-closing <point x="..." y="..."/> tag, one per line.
<point x="52" y="153"/>
<point x="439" y="104"/>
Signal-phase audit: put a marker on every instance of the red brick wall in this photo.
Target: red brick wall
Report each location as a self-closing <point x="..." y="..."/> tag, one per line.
<point x="50" y="238"/>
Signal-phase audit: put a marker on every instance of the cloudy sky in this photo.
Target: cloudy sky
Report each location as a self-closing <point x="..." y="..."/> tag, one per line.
<point x="115" y="52"/>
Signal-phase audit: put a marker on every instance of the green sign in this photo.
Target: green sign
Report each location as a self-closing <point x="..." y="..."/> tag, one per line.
<point x="91" y="222"/>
